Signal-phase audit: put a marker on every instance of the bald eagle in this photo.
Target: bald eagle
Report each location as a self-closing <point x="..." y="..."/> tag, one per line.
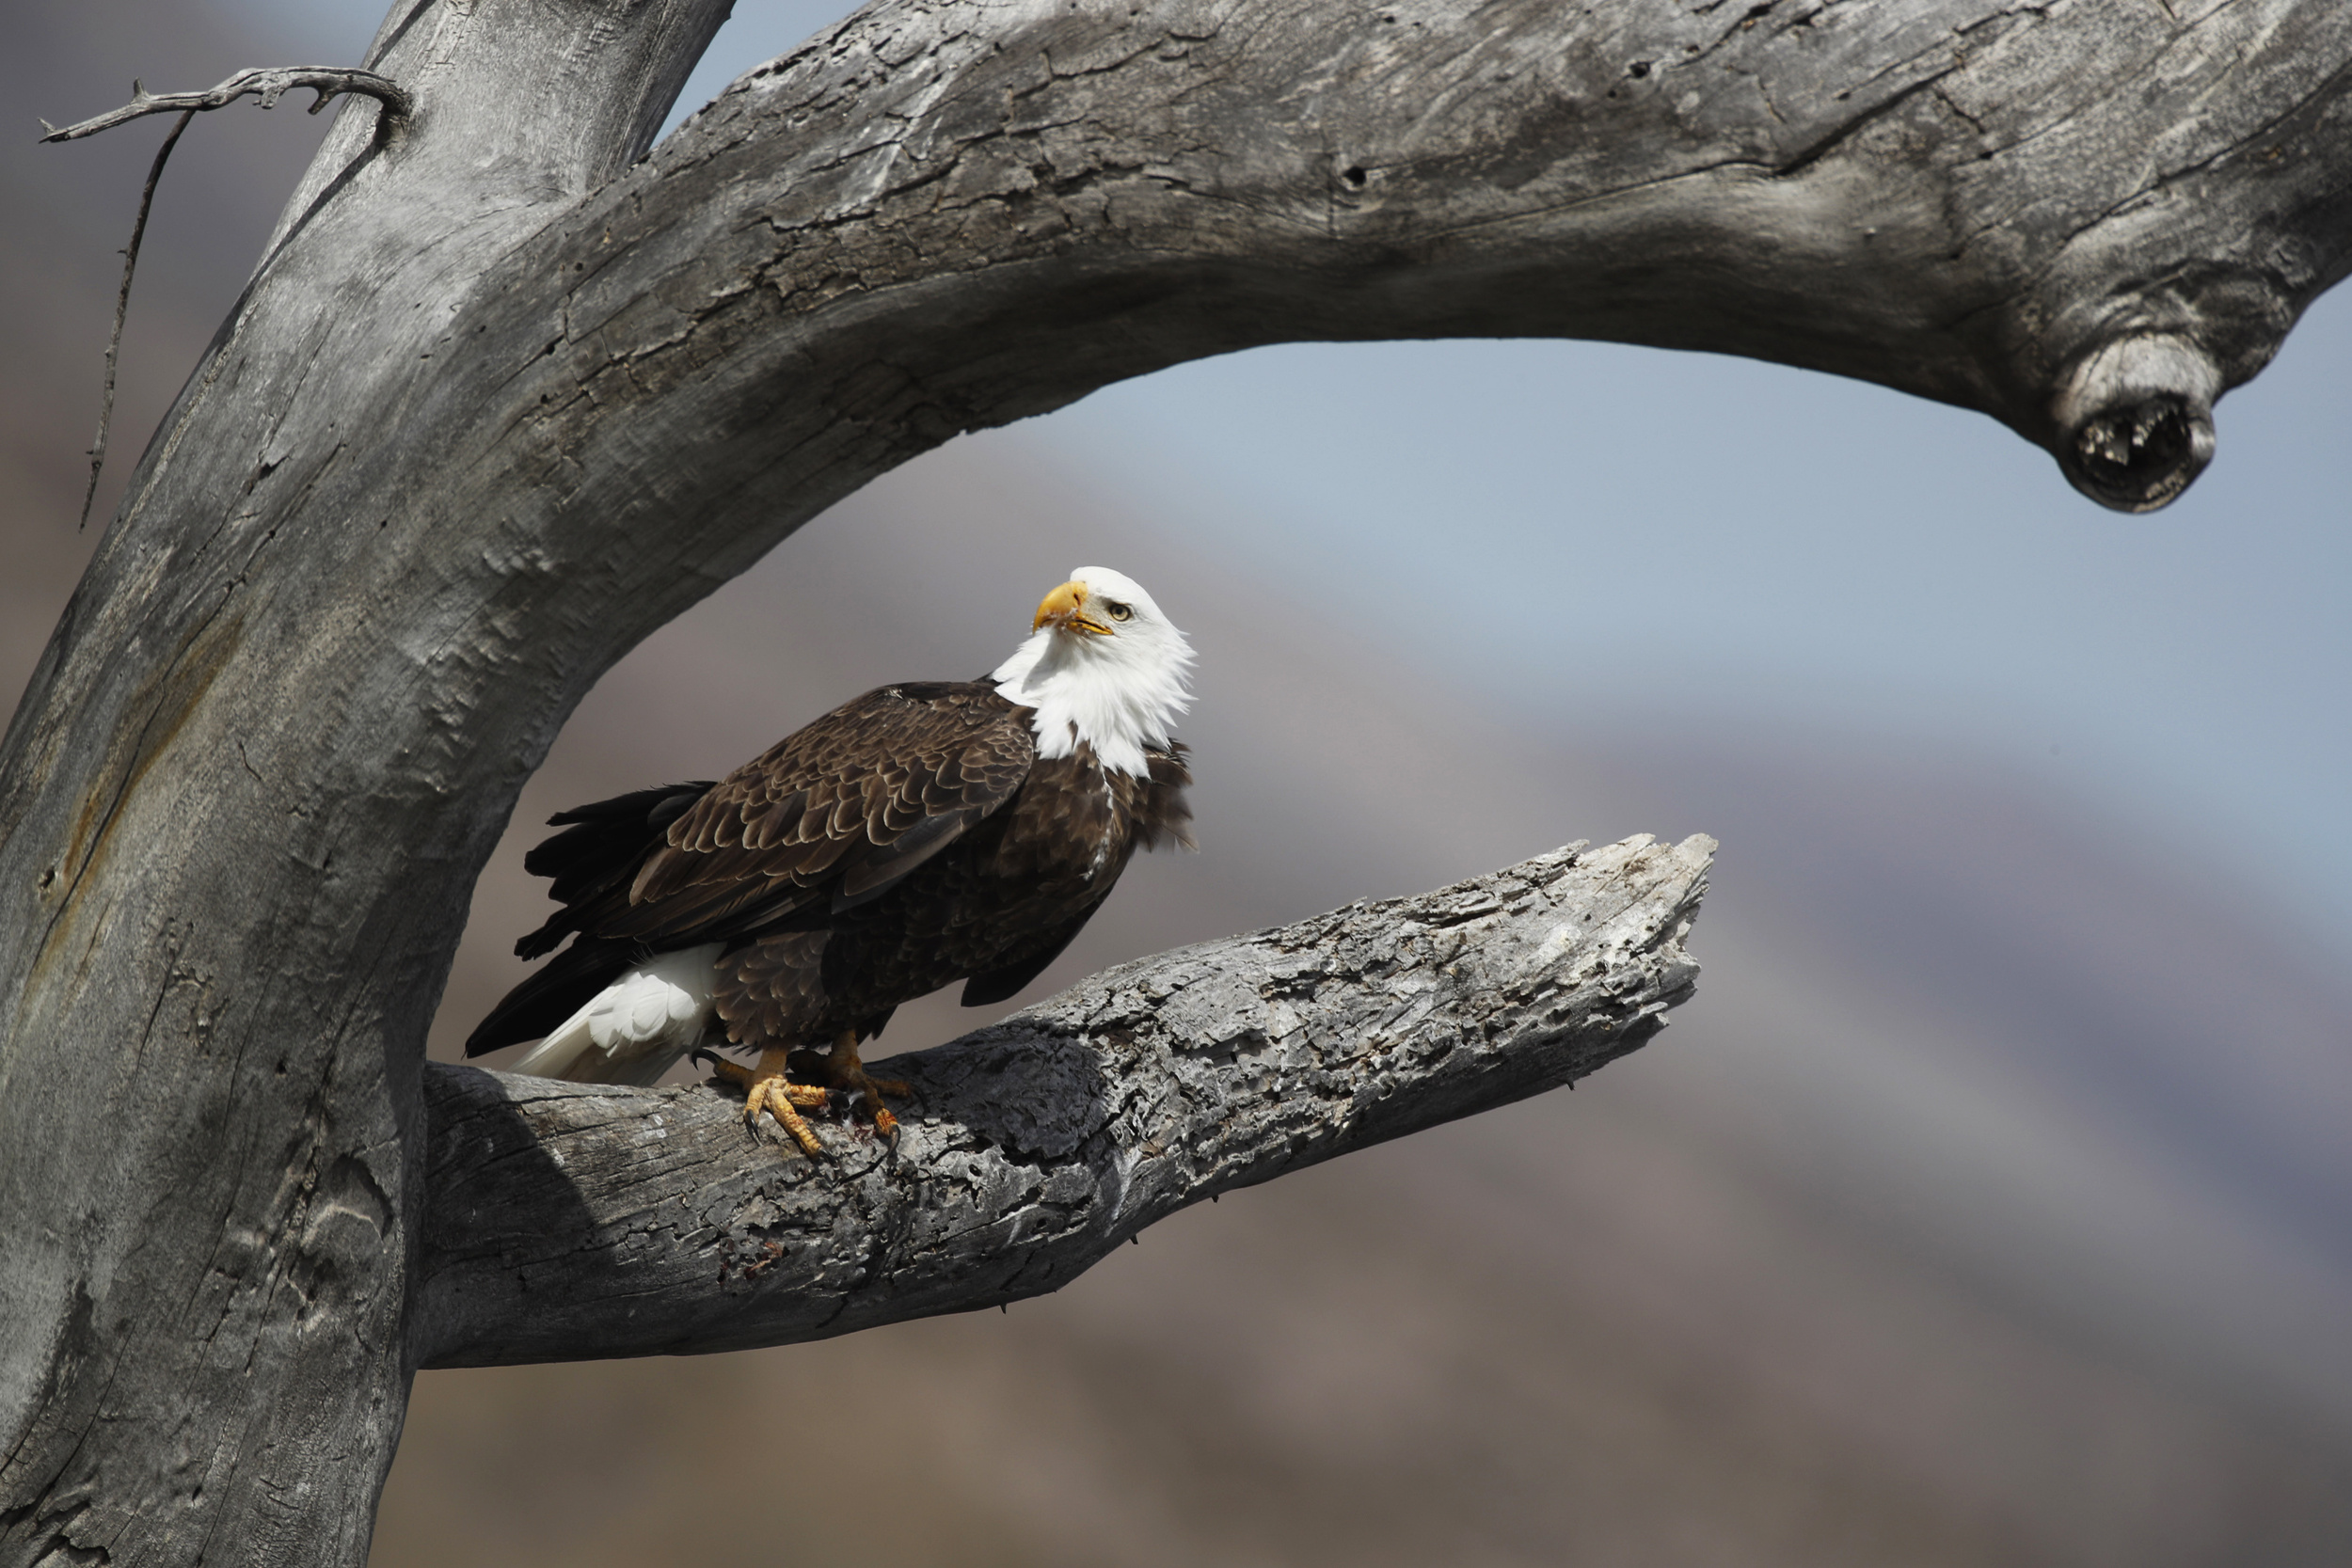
<point x="919" y="834"/>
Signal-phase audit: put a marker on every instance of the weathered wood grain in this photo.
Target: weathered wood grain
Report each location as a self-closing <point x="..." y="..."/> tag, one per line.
<point x="571" y="1221"/>
<point x="503" y="395"/>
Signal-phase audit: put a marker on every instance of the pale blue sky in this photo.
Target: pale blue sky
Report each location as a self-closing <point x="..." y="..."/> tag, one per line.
<point x="1685" y="538"/>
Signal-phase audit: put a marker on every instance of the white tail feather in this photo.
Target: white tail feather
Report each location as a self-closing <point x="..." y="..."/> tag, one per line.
<point x="633" y="1029"/>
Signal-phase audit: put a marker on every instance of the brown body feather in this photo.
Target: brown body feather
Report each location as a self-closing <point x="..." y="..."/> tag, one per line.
<point x="906" y="840"/>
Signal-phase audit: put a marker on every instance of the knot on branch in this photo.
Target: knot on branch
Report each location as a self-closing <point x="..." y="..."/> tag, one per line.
<point x="2135" y="420"/>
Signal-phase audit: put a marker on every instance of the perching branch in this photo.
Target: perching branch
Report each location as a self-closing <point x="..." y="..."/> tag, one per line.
<point x="568" y="1221"/>
<point x="269" y="83"/>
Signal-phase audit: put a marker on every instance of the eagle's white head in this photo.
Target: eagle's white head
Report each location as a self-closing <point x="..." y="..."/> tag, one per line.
<point x="1101" y="665"/>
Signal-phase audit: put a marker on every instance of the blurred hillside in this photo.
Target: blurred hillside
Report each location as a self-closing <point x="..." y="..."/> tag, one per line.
<point x="1990" y="1206"/>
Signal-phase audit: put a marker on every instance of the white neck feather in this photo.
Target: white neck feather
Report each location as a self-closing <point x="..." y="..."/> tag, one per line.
<point x="1118" y="695"/>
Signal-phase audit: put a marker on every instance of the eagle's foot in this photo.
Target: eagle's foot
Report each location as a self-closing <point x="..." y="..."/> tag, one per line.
<point x="782" y="1100"/>
<point x="766" y="1088"/>
<point x="842" y="1069"/>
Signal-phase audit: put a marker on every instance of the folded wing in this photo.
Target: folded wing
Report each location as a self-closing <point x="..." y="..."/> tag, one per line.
<point x="832" y="816"/>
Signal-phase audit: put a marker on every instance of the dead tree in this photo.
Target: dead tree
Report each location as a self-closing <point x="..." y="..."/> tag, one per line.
<point x="504" y="394"/>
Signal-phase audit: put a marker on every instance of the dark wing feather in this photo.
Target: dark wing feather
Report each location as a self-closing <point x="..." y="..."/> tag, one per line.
<point x="1163" y="813"/>
<point x="841" y="810"/>
<point x="1156" y="812"/>
<point x="879" y="871"/>
<point x="551" y="993"/>
<point x="598" y="853"/>
<point x="999" y="985"/>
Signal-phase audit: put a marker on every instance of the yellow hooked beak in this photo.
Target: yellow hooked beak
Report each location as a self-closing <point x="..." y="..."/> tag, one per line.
<point x="1064" y="608"/>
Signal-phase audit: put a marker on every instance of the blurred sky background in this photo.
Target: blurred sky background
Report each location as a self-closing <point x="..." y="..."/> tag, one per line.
<point x="1991" y="1205"/>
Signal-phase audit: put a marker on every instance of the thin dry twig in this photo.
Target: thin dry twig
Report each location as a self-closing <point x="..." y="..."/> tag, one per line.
<point x="123" y="309"/>
<point x="269" y="83"/>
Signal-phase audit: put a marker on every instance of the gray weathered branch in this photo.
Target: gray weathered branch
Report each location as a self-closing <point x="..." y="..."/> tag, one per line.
<point x="569" y="1221"/>
<point x="268" y="82"/>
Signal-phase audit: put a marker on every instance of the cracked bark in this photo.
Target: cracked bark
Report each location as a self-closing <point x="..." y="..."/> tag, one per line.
<point x="503" y="395"/>
<point x="570" y="1220"/>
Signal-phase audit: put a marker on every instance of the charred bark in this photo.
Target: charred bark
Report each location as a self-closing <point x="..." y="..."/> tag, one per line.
<point x="504" y="394"/>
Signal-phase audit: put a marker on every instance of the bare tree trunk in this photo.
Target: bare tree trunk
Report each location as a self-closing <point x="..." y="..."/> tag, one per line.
<point x="501" y="398"/>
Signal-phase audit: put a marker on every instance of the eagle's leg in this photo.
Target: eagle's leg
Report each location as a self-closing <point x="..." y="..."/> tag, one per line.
<point x="844" y="1071"/>
<point x="765" y="1087"/>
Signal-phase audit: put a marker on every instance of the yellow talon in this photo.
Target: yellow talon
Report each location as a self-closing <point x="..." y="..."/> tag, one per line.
<point x="776" y="1098"/>
<point x="767" y="1089"/>
<point x="845" y="1071"/>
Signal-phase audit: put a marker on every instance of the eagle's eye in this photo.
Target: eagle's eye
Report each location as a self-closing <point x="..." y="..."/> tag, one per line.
<point x="1120" y="612"/>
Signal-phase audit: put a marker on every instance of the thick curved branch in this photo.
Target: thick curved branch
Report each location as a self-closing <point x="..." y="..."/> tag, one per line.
<point x="945" y="226"/>
<point x="569" y="1221"/>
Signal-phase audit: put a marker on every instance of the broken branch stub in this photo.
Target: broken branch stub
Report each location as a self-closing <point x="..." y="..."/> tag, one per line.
<point x="574" y="1220"/>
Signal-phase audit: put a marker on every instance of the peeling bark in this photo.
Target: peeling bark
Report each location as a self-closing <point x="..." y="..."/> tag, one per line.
<point x="503" y="395"/>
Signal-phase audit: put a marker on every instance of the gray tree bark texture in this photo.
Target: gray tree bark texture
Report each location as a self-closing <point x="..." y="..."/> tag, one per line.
<point x="504" y="394"/>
